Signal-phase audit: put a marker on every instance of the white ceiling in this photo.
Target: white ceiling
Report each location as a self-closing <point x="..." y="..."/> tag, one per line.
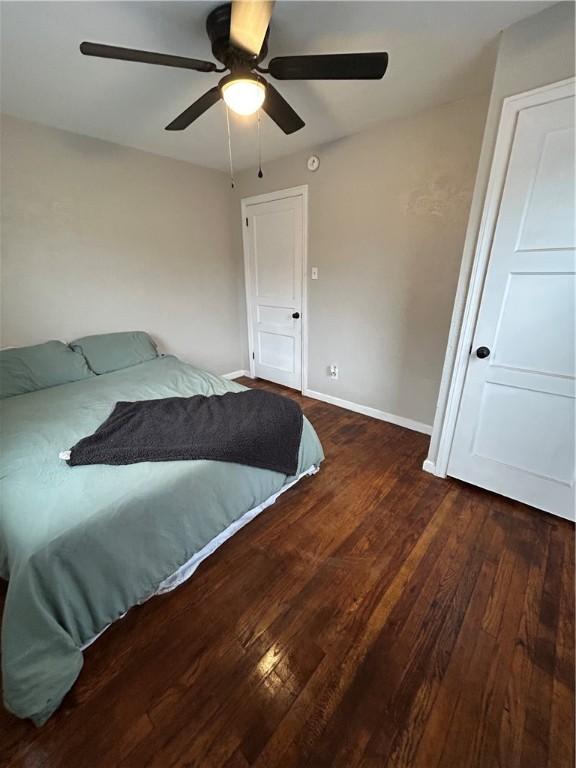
<point x="439" y="51"/>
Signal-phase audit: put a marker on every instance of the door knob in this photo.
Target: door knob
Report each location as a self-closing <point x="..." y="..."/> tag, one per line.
<point x="482" y="352"/>
<point x="296" y="315"/>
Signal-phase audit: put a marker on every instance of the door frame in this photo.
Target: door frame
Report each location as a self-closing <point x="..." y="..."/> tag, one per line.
<point x="281" y="194"/>
<point x="511" y="107"/>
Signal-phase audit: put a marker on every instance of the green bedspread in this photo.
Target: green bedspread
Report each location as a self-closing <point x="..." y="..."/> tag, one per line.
<point x="81" y="545"/>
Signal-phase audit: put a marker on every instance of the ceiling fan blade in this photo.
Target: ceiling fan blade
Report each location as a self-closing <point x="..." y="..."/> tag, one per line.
<point x="280" y="111"/>
<point x="195" y="110"/>
<point x="333" y="66"/>
<point x="249" y="23"/>
<point x="146" y="57"/>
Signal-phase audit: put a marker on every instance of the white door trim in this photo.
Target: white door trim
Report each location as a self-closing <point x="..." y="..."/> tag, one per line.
<point x="281" y="194"/>
<point x="512" y="105"/>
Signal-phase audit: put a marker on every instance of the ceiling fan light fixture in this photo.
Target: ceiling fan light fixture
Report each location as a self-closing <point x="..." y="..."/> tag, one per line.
<point x="238" y="33"/>
<point x="243" y="94"/>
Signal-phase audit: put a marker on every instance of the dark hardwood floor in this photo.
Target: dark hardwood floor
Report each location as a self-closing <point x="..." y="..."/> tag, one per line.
<point x="374" y="616"/>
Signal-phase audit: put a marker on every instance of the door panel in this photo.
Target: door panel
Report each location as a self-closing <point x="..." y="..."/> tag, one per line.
<point x="515" y="427"/>
<point x="536" y="306"/>
<point x="273" y="238"/>
<point x="274" y="242"/>
<point x="515" y="440"/>
<point x="276" y="350"/>
<point x="549" y="217"/>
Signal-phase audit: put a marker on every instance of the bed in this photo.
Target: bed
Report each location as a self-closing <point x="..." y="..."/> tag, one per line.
<point x="80" y="546"/>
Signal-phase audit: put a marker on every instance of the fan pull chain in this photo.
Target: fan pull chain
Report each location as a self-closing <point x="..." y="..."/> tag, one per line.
<point x="229" y="147"/>
<point x="260" y="174"/>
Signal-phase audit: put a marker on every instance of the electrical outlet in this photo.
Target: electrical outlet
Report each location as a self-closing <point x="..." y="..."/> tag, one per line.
<point x="333" y="371"/>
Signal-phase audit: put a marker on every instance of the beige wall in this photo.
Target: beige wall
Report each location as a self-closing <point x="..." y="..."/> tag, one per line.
<point x="387" y="217"/>
<point x="534" y="52"/>
<point x="97" y="238"/>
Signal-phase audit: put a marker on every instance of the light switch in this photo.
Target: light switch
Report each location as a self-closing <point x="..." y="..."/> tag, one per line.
<point x="314" y="273"/>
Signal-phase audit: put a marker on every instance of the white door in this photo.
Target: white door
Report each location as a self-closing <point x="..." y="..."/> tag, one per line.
<point x="515" y="427"/>
<point x="274" y="251"/>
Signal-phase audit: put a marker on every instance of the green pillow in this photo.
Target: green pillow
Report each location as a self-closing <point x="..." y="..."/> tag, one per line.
<point x="27" y="369"/>
<point x="111" y="351"/>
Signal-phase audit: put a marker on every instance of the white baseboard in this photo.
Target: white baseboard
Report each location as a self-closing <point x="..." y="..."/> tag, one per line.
<point x="430" y="466"/>
<point x="235" y="374"/>
<point x="400" y="421"/>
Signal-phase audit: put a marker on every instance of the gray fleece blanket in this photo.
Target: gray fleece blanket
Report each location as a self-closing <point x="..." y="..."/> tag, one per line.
<point x="256" y="428"/>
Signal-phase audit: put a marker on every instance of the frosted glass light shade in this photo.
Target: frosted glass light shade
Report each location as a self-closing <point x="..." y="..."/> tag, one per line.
<point x="244" y="95"/>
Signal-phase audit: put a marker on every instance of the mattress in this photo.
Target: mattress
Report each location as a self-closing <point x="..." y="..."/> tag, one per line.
<point x="81" y="545"/>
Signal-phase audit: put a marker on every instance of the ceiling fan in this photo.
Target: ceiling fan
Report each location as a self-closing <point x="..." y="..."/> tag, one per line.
<point x="239" y="32"/>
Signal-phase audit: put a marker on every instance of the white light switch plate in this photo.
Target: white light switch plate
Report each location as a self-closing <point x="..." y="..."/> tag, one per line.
<point x="314" y="273"/>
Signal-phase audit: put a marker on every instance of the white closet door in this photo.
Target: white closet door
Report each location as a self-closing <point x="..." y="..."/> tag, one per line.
<point x="516" y="423"/>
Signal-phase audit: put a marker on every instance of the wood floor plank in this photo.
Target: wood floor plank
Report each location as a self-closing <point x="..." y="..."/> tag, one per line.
<point x="511" y="734"/>
<point x="434" y="731"/>
<point x="341" y="688"/>
<point x="407" y="640"/>
<point x="563" y="716"/>
<point x="415" y="700"/>
<point x="535" y="747"/>
<point x="475" y="728"/>
<point x="374" y="617"/>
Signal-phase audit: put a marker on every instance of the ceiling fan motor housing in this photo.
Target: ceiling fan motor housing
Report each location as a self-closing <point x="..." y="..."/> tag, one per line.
<point x="233" y="58"/>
